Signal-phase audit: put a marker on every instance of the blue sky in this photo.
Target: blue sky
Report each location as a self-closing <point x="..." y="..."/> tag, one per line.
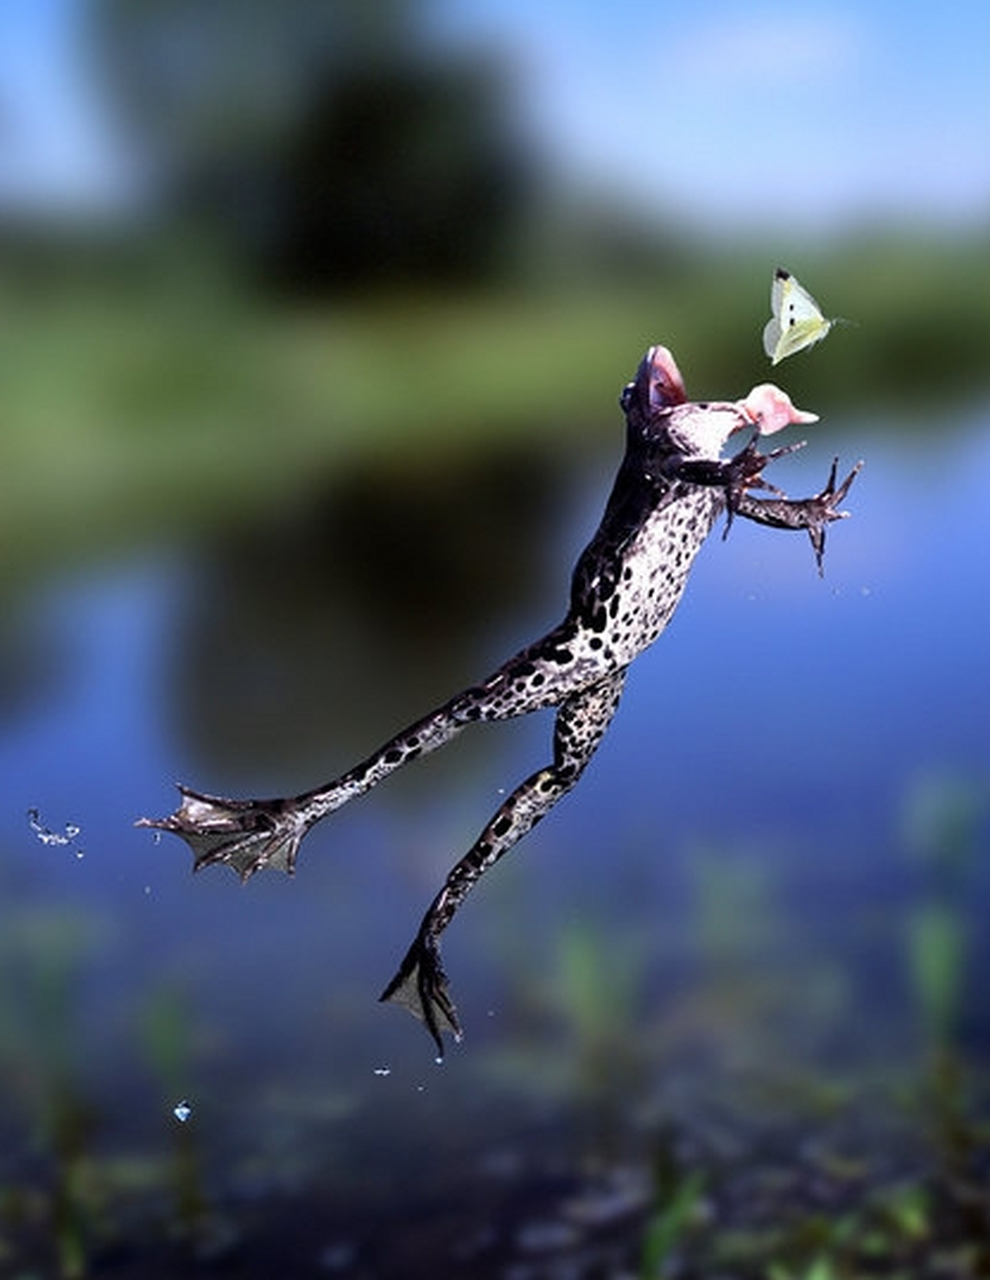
<point x="60" y="143"/>
<point x="779" y="116"/>
<point x="811" y="115"/>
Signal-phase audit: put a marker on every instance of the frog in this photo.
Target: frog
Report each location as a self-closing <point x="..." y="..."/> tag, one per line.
<point x="671" y="488"/>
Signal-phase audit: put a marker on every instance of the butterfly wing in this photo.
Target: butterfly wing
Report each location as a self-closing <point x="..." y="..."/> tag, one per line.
<point x="771" y="338"/>
<point x="797" y="320"/>
<point x="796" y="302"/>
<point x="781" y="280"/>
<point x="799" y="335"/>
<point x="773" y="331"/>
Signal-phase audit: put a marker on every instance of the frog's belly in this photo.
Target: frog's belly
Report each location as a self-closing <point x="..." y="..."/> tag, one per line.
<point x="654" y="573"/>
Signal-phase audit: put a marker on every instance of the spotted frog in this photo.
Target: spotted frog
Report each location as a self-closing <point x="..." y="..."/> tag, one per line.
<point x="671" y="488"/>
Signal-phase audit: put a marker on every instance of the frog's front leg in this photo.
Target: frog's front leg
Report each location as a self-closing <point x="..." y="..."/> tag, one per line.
<point x="811" y="514"/>
<point x="735" y="475"/>
<point x="744" y="471"/>
<point x="421" y="984"/>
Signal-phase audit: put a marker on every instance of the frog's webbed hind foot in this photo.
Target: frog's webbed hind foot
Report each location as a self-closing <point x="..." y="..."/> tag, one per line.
<point x="246" y="835"/>
<point x="421" y="986"/>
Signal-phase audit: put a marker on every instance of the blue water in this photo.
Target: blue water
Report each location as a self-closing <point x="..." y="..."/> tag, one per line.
<point x="762" y="759"/>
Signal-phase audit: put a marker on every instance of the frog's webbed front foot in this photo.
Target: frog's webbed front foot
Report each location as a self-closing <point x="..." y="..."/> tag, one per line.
<point x="824" y="508"/>
<point x="421" y="986"/>
<point x="246" y="835"/>
<point x="744" y="471"/>
<point x="813" y="514"/>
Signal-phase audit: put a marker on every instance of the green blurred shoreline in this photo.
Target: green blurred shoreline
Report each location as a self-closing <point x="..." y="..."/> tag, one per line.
<point x="139" y="408"/>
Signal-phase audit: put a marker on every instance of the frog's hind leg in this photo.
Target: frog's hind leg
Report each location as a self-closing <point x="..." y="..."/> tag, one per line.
<point x="421" y="984"/>
<point x="250" y="835"/>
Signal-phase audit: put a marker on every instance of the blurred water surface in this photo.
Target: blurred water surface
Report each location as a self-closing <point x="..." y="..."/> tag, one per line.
<point x="313" y="317"/>
<point x="771" y="871"/>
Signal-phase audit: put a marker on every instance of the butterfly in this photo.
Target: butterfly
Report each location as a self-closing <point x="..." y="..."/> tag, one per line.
<point x="797" y="321"/>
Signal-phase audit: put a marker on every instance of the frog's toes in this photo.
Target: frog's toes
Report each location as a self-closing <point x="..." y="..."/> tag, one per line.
<point x="246" y="835"/>
<point x="421" y="986"/>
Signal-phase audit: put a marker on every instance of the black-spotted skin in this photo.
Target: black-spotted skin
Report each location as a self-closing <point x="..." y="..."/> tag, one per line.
<point x="625" y="588"/>
<point x="622" y="600"/>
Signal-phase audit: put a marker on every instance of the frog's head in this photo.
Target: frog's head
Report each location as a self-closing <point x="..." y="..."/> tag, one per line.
<point x="657" y="387"/>
<point x="769" y="409"/>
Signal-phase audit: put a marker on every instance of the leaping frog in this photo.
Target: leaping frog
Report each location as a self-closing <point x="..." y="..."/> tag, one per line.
<point x="671" y="488"/>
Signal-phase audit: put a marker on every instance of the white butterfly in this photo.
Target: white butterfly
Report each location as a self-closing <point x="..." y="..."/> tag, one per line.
<point x="797" y="320"/>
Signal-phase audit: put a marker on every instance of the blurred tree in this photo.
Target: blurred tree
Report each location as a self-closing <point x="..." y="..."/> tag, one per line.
<point x="401" y="172"/>
<point x="320" y="137"/>
<point x="421" y="555"/>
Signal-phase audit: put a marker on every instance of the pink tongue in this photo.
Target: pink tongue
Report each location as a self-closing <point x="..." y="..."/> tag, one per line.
<point x="770" y="409"/>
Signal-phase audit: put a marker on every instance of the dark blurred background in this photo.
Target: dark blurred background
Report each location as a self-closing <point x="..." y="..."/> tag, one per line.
<point x="313" y="319"/>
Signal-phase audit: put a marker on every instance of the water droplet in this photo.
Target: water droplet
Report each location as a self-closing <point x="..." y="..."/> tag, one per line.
<point x="438" y="1060"/>
<point x="47" y="836"/>
<point x="80" y="854"/>
<point x="156" y="837"/>
<point x="147" y="889"/>
<point x="182" y="1111"/>
<point x="383" y="1071"/>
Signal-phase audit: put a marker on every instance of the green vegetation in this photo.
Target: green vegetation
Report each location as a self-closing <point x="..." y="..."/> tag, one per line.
<point x="688" y="1133"/>
<point x="40" y="1060"/>
<point x="677" y="1208"/>
<point x="150" y="404"/>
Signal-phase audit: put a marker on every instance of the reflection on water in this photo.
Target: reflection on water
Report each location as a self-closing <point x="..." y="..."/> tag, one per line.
<point x="357" y="609"/>
<point x="730" y="987"/>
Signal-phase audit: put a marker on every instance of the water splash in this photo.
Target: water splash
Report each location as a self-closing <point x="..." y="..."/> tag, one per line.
<point x="64" y="838"/>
